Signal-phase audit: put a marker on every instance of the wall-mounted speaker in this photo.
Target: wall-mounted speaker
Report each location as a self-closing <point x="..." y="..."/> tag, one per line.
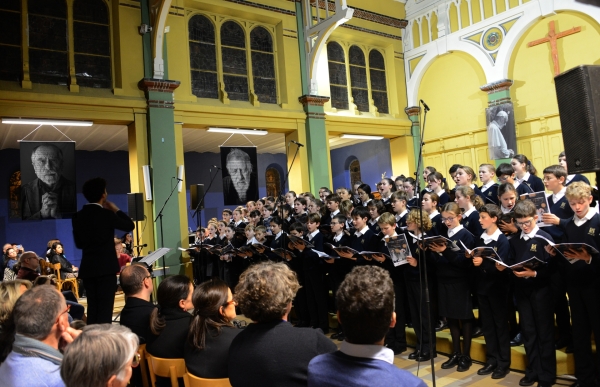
<point x="196" y="194"/>
<point x="180" y="177"/>
<point x="578" y="95"/>
<point x="135" y="206"/>
<point x="147" y="182"/>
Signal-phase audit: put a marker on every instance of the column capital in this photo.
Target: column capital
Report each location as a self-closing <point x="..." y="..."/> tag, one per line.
<point x="313" y="100"/>
<point x="494" y="87"/>
<point x="160" y="85"/>
<point x="412" y="111"/>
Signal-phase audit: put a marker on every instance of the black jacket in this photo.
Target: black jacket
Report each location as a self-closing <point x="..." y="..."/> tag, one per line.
<point x="136" y="316"/>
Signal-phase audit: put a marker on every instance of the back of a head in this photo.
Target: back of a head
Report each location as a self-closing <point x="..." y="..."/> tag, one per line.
<point x="36" y="310"/>
<point x="208" y="298"/>
<point x="100" y="352"/>
<point x="365" y="301"/>
<point x="265" y="290"/>
<point x="173" y="289"/>
<point x="93" y="189"/>
<point x="10" y="291"/>
<point x="132" y="279"/>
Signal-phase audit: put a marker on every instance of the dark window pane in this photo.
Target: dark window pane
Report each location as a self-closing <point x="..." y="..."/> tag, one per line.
<point x="12" y="5"/>
<point x="337" y="73"/>
<point x="204" y="85"/>
<point x="339" y="97"/>
<point x="203" y="56"/>
<point x="91" y="38"/>
<point x="358" y="77"/>
<point x="376" y="60"/>
<point x="49" y="33"/>
<point x="11" y="28"/>
<point x="260" y="40"/>
<point x="357" y="57"/>
<point x="233" y="35"/>
<point x="265" y="89"/>
<point x="201" y="29"/>
<point x="236" y="87"/>
<point x="93" y="71"/>
<point x="335" y="52"/>
<point x="378" y="80"/>
<point x="10" y="63"/>
<point x="361" y="99"/>
<point x="380" y="100"/>
<point x="94" y="11"/>
<point x="48" y="67"/>
<point x="234" y="61"/>
<point x="56" y="8"/>
<point x="262" y="65"/>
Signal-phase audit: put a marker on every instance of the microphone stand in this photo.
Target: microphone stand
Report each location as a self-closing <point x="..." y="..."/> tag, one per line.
<point x="423" y="266"/>
<point x="162" y="236"/>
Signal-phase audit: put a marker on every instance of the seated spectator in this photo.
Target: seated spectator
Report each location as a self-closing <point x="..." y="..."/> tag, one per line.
<point x="270" y="352"/>
<point x="10" y="257"/>
<point x="76" y="310"/>
<point x="211" y="331"/>
<point x="123" y="258"/>
<point x="42" y="328"/>
<point x="127" y="241"/>
<point x="170" y="321"/>
<point x="365" y="301"/>
<point x="29" y="263"/>
<point x="101" y="356"/>
<point x="57" y="255"/>
<point x="10" y="291"/>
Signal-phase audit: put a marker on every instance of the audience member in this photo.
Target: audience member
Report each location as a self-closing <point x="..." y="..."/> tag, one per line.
<point x="10" y="291"/>
<point x="123" y="258"/>
<point x="270" y="352"/>
<point x="365" y="301"/>
<point x="76" y="310"/>
<point x="57" y="255"/>
<point x="211" y="330"/>
<point x="29" y="263"/>
<point x="101" y="356"/>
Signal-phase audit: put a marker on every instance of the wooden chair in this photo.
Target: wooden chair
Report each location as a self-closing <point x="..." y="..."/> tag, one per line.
<point x="61" y="282"/>
<point x="166" y="368"/>
<point x="190" y="380"/>
<point x="45" y="267"/>
<point x="143" y="365"/>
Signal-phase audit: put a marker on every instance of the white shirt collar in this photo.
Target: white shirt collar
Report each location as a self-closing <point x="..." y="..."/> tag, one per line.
<point x="312" y="234"/>
<point x="238" y="223"/>
<point x="485" y="187"/>
<point x="362" y="231"/>
<point x="468" y="212"/>
<point x="252" y="241"/>
<point x="334" y="213"/>
<point x="453" y="231"/>
<point x="531" y="234"/>
<point x="488" y="238"/>
<point x="505" y="210"/>
<point x="569" y="178"/>
<point x="278" y="234"/>
<point x="579" y="222"/>
<point x="473" y="186"/>
<point x="395" y="234"/>
<point x="373" y="221"/>
<point x="434" y="214"/>
<point x="525" y="177"/>
<point x="339" y="236"/>
<point x="97" y="204"/>
<point x="398" y="217"/>
<point x="368" y="351"/>
<point x="557" y="196"/>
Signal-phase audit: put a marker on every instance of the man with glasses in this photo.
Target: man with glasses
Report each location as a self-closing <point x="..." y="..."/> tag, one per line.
<point x="29" y="264"/>
<point x="42" y="329"/>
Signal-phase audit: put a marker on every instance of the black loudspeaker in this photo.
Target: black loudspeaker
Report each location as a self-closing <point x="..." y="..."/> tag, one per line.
<point x="578" y="95"/>
<point x="196" y="194"/>
<point x="135" y="206"/>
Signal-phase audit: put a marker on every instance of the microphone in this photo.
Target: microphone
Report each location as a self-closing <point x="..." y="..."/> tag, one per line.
<point x="178" y="179"/>
<point x="214" y="166"/>
<point x="144" y="245"/>
<point x="297" y="143"/>
<point x="425" y="106"/>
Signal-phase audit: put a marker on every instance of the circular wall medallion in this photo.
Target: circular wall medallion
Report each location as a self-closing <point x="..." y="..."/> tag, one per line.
<point x="492" y="39"/>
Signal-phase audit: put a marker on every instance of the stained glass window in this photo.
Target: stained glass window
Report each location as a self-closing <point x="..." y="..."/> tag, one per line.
<point x="48" y="58"/>
<point x="378" y="81"/>
<point x="92" y="43"/>
<point x="235" y="69"/>
<point x="337" y="75"/>
<point x="358" y="79"/>
<point x="263" y="65"/>
<point x="10" y="40"/>
<point x="203" y="57"/>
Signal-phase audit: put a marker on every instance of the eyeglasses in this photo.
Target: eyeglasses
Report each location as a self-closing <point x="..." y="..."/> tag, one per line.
<point x="526" y="223"/>
<point x="448" y="219"/>
<point x="146" y="277"/>
<point x="64" y="311"/>
<point x="503" y="178"/>
<point x="136" y="360"/>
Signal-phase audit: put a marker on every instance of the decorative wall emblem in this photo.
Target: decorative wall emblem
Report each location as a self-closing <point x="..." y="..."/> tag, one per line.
<point x="490" y="38"/>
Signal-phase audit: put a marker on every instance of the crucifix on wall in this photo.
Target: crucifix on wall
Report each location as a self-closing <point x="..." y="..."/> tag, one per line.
<point x="552" y="38"/>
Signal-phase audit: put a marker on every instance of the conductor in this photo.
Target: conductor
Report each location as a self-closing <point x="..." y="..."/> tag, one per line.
<point x="93" y="230"/>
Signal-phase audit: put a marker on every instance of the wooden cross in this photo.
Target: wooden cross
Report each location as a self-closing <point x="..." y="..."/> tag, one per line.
<point x="552" y="37"/>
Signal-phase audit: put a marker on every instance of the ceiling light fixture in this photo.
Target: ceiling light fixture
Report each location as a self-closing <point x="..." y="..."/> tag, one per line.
<point x="36" y="121"/>
<point x="252" y="132"/>
<point x="361" y="137"/>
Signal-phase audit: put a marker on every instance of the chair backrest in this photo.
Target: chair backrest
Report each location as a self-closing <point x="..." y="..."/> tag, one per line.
<point x="45" y="267"/>
<point x="190" y="380"/>
<point x="56" y="268"/>
<point x="166" y="368"/>
<point x="143" y="365"/>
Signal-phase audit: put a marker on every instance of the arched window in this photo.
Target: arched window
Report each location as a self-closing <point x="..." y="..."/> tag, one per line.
<point x="14" y="195"/>
<point x="263" y="65"/>
<point x="337" y="76"/>
<point x="203" y="57"/>
<point x="354" y="172"/>
<point x="273" y="180"/>
<point x="233" y="51"/>
<point x="10" y="40"/>
<point x="358" y="79"/>
<point x="378" y="81"/>
<point x="92" y="43"/>
<point x="48" y="57"/>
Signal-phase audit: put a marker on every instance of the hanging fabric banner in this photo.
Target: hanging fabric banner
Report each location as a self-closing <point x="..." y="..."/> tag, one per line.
<point x="502" y="137"/>
<point x="240" y="180"/>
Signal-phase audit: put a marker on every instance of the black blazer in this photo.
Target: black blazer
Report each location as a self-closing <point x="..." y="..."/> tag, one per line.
<point x="210" y="362"/>
<point x="171" y="340"/>
<point x="94" y="232"/>
<point x="136" y="316"/>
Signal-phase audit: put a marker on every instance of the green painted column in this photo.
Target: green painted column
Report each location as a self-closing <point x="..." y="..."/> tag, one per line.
<point x="498" y="94"/>
<point x="317" y="140"/>
<point x="415" y="131"/>
<point x="162" y="155"/>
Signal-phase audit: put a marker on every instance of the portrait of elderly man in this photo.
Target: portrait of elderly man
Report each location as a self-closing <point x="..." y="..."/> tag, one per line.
<point x="50" y="194"/>
<point x="497" y="139"/>
<point x="241" y="182"/>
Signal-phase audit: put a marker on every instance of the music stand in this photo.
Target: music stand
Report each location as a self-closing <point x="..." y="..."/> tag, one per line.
<point x="149" y="259"/>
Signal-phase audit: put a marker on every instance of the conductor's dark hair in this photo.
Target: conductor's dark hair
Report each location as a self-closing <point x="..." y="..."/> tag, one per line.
<point x="93" y="189"/>
<point x="361" y="211"/>
<point x="169" y="293"/>
<point x="365" y="301"/>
